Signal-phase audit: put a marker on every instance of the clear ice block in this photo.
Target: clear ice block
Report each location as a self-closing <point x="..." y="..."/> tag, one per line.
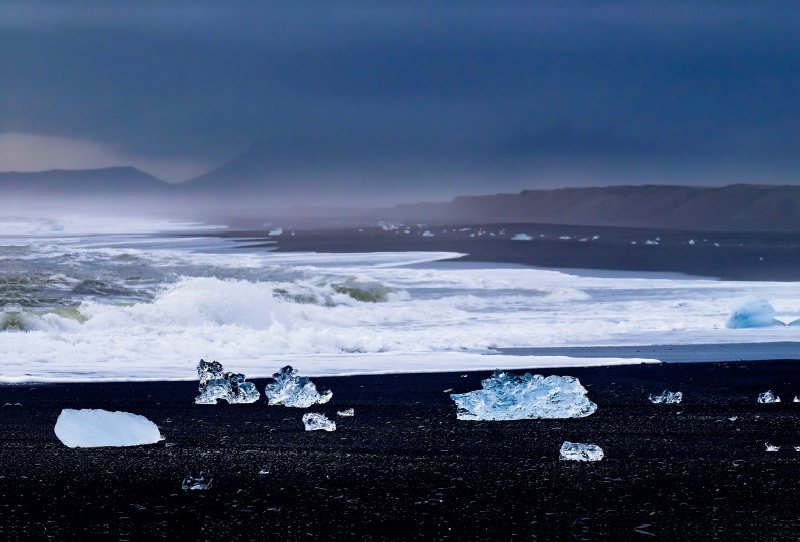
<point x="507" y="396"/>
<point x="292" y="390"/>
<point x="196" y="480"/>
<point x="667" y="397"/>
<point x="768" y="397"/>
<point x="215" y="384"/>
<point x="346" y="413"/>
<point x="575" y="451"/>
<point x="318" y="422"/>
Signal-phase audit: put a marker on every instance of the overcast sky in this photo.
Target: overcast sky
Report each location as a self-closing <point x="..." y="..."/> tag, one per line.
<point x="462" y="96"/>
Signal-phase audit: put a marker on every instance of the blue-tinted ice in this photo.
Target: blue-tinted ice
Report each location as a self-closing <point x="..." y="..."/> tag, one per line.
<point x="768" y="397"/>
<point x="216" y="384"/>
<point x="667" y="397"/>
<point x="575" y="451"/>
<point x="506" y="396"/>
<point x="196" y="480"/>
<point x="292" y="390"/>
<point x="751" y="312"/>
<point x="318" y="422"/>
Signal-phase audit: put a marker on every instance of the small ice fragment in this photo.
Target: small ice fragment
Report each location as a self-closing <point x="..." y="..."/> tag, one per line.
<point x="595" y="238"/>
<point x="263" y="471"/>
<point x="575" y="451"/>
<point x="196" y="480"/>
<point x="771" y="448"/>
<point x="294" y="391"/>
<point x="463" y="376"/>
<point x="448" y="390"/>
<point x="691" y="241"/>
<point x="346" y="413"/>
<point x="506" y="396"/>
<point x="318" y="422"/>
<point x="733" y="418"/>
<point x="565" y="237"/>
<point x="633" y="242"/>
<point x="230" y="387"/>
<point x="747" y="312"/>
<point x="276" y="232"/>
<point x="667" y="397"/>
<point x="796" y="399"/>
<point x="649" y="242"/>
<point x="427" y="234"/>
<point x="797" y="448"/>
<point x="768" y="397"/>
<point x="521" y="237"/>
<point x="90" y="428"/>
<point x="584" y="239"/>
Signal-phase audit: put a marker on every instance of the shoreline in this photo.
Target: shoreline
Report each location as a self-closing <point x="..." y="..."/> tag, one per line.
<point x="404" y="468"/>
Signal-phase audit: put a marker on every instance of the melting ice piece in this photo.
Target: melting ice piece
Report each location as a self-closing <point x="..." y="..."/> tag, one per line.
<point x="797" y="448"/>
<point x="279" y="231"/>
<point x="667" y="397"/>
<point x="522" y="237"/>
<point x="768" y="397"/>
<point x="575" y="451"/>
<point x="733" y="418"/>
<point x="346" y="413"/>
<point x="318" y="422"/>
<point x="771" y="448"/>
<point x="506" y="396"/>
<point x="294" y="391"/>
<point x="89" y="428"/>
<point x="751" y="312"/>
<point x="796" y="399"/>
<point x="230" y="387"/>
<point x="196" y="480"/>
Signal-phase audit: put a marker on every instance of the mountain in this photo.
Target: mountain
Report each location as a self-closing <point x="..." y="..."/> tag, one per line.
<point x="105" y="182"/>
<point x="739" y="207"/>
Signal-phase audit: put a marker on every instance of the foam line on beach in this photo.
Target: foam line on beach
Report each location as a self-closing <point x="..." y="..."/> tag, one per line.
<point x="311" y="365"/>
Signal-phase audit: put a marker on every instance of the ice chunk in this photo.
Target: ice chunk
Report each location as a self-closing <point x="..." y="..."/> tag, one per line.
<point x="279" y="231"/>
<point x="667" y="397"/>
<point x="427" y="234"/>
<point x="796" y="399"/>
<point x="768" y="397"/>
<point x="771" y="448"/>
<point x="318" y="422"/>
<point x="565" y="237"/>
<point x="797" y="448"/>
<point x="294" y="391"/>
<point x="522" y="237"/>
<point x="216" y="384"/>
<point x="506" y="396"/>
<point x="575" y="451"/>
<point x="749" y="312"/>
<point x="346" y="413"/>
<point x="90" y="428"/>
<point x="196" y="480"/>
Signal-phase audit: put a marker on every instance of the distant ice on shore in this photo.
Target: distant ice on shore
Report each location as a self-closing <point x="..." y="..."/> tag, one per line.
<point x="749" y="312"/>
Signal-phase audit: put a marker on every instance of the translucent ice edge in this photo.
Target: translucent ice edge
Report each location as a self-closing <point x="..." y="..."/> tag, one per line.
<point x="508" y="396"/>
<point x="312" y="365"/>
<point x="90" y="428"/>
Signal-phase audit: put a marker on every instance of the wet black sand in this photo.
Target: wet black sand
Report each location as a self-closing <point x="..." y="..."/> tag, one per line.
<point x="404" y="468"/>
<point x="725" y="255"/>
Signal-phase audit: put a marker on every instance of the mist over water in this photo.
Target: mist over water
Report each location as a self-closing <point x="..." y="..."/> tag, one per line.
<point x="132" y="299"/>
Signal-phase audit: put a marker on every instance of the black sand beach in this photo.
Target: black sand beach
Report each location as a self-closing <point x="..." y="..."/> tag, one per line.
<point x="404" y="468"/>
<point x="722" y="255"/>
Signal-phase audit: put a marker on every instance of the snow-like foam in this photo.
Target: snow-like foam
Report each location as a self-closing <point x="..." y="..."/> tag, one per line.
<point x="340" y="313"/>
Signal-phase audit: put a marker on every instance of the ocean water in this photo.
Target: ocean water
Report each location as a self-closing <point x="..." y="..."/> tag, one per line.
<point x="124" y="299"/>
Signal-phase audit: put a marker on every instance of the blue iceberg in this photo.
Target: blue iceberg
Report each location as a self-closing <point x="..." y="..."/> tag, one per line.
<point x="747" y="312"/>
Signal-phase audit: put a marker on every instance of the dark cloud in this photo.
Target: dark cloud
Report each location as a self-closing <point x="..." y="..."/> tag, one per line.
<point x="486" y="94"/>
